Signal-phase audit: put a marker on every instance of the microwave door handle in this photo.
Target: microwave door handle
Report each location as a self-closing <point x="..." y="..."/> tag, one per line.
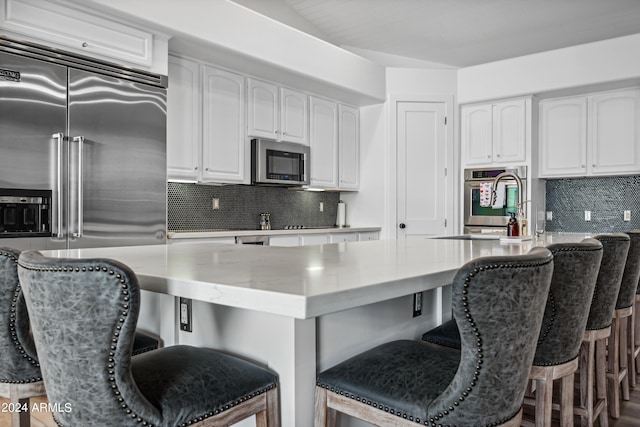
<point x="80" y="200"/>
<point x="58" y="223"/>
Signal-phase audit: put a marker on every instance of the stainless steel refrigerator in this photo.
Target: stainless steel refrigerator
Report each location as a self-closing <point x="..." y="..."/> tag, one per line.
<point x="92" y="133"/>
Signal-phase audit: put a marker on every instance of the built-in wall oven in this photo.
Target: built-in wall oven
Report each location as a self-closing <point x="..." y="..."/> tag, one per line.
<point x="480" y="215"/>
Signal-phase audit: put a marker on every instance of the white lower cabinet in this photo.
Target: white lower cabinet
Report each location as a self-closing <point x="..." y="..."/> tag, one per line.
<point x="343" y="237"/>
<point x="313" y="239"/>
<point x="368" y="235"/>
<point x="590" y="135"/>
<point x="206" y="124"/>
<point x="284" y="241"/>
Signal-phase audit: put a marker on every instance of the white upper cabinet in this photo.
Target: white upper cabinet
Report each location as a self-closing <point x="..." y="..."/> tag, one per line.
<point x="596" y="134"/>
<point x="614" y="132"/>
<point x="349" y="140"/>
<point x="563" y="137"/>
<point x="88" y="33"/>
<point x="205" y="124"/>
<point x="224" y="147"/>
<point x="277" y="113"/>
<point x="495" y="133"/>
<point x="294" y="116"/>
<point x="184" y="118"/>
<point x="324" y="143"/>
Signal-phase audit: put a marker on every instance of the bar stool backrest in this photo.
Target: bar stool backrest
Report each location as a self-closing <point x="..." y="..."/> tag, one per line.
<point x="631" y="275"/>
<point x="575" y="271"/>
<point x="614" y="256"/>
<point x="18" y="361"/>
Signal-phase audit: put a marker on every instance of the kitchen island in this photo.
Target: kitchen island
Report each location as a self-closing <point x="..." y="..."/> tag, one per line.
<point x="301" y="310"/>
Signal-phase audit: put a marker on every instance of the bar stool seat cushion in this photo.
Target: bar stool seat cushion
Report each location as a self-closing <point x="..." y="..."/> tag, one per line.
<point x="178" y="380"/>
<point x="401" y="377"/>
<point x="446" y="334"/>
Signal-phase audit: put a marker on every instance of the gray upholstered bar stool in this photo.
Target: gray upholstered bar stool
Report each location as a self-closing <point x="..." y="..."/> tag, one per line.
<point x="100" y="383"/>
<point x="634" y="338"/>
<point x="20" y="377"/>
<point x="575" y="270"/>
<point x="593" y="361"/>
<point x="496" y="300"/>
<point x="618" y="347"/>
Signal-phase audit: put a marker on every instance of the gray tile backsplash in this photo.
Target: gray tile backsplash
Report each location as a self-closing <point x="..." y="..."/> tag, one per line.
<point x="607" y="198"/>
<point x="189" y="207"/>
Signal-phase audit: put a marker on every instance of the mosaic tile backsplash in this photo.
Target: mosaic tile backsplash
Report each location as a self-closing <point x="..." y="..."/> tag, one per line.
<point x="189" y="207"/>
<point x="607" y="198"/>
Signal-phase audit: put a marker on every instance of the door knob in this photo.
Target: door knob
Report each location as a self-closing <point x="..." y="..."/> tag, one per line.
<point x="402" y="225"/>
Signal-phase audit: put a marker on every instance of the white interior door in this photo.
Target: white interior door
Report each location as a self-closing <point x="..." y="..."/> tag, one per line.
<point x="421" y="169"/>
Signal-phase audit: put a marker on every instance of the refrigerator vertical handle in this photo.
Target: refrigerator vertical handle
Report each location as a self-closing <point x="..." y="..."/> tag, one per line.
<point x="80" y="141"/>
<point x="59" y="231"/>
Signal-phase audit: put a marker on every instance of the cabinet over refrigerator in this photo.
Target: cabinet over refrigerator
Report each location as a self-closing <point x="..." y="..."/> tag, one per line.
<point x="92" y="134"/>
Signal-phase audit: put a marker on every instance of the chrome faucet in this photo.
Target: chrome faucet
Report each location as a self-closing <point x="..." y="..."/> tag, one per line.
<point x="520" y="205"/>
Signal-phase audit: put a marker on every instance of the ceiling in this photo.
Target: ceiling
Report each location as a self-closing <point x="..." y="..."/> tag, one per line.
<point x="453" y="33"/>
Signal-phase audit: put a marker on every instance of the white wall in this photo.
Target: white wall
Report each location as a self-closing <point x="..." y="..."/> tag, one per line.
<point x="375" y="203"/>
<point x="607" y="61"/>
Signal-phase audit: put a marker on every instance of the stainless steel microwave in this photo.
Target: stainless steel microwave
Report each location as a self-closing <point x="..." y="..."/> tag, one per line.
<point x="279" y="163"/>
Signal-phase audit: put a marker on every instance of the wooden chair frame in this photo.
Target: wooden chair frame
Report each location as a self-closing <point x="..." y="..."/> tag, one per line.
<point x="617" y="357"/>
<point x="328" y="404"/>
<point x="265" y="407"/>
<point x="20" y="394"/>
<point x="593" y="375"/>
<point x="543" y="377"/>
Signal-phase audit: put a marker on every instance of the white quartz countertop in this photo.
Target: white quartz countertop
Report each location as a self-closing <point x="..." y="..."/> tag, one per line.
<point x="204" y="234"/>
<point x="306" y="281"/>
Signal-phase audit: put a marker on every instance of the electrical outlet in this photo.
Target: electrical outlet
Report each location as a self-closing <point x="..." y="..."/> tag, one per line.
<point x="321" y="206"/>
<point x="549" y="215"/>
<point x="185" y="314"/>
<point x="627" y="215"/>
<point x="215" y="204"/>
<point x="587" y="215"/>
<point x="417" y="304"/>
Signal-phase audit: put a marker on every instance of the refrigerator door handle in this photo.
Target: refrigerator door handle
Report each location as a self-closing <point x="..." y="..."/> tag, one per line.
<point x="58" y="223"/>
<point x="80" y="141"/>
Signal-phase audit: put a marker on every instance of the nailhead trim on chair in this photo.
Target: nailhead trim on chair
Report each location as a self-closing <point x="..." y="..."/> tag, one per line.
<point x="12" y="329"/>
<point x="441" y="415"/>
<point x="116" y="336"/>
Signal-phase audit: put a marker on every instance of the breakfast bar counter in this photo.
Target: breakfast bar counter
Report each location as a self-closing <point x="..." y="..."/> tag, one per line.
<point x="300" y="310"/>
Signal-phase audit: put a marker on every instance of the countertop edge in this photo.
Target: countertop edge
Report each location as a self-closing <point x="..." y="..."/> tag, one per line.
<point x="233" y="233"/>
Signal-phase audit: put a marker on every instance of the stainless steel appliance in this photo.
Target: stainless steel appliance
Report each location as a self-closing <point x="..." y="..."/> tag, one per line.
<point x="24" y="213"/>
<point x="479" y="218"/>
<point x="279" y="163"/>
<point x="92" y="134"/>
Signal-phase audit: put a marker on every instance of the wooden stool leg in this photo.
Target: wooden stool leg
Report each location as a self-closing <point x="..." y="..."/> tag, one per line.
<point x="636" y="333"/>
<point x="624" y="356"/>
<point x="613" y="360"/>
<point x="632" y="348"/>
<point x="587" y="368"/>
<point x="601" y="382"/>
<point x="544" y="400"/>
<point x="566" y="401"/>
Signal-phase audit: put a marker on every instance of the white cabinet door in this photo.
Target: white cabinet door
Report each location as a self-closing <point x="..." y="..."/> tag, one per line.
<point x="509" y="132"/>
<point x="313" y="239"/>
<point x="284" y="241"/>
<point x="294" y="117"/>
<point x="477" y="134"/>
<point x="343" y="237"/>
<point x="324" y="143"/>
<point x="263" y="114"/>
<point x="224" y="148"/>
<point x="78" y="31"/>
<point x="349" y="143"/>
<point x="183" y="119"/>
<point x="613" y="132"/>
<point x="563" y="137"/>
<point x="368" y="235"/>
